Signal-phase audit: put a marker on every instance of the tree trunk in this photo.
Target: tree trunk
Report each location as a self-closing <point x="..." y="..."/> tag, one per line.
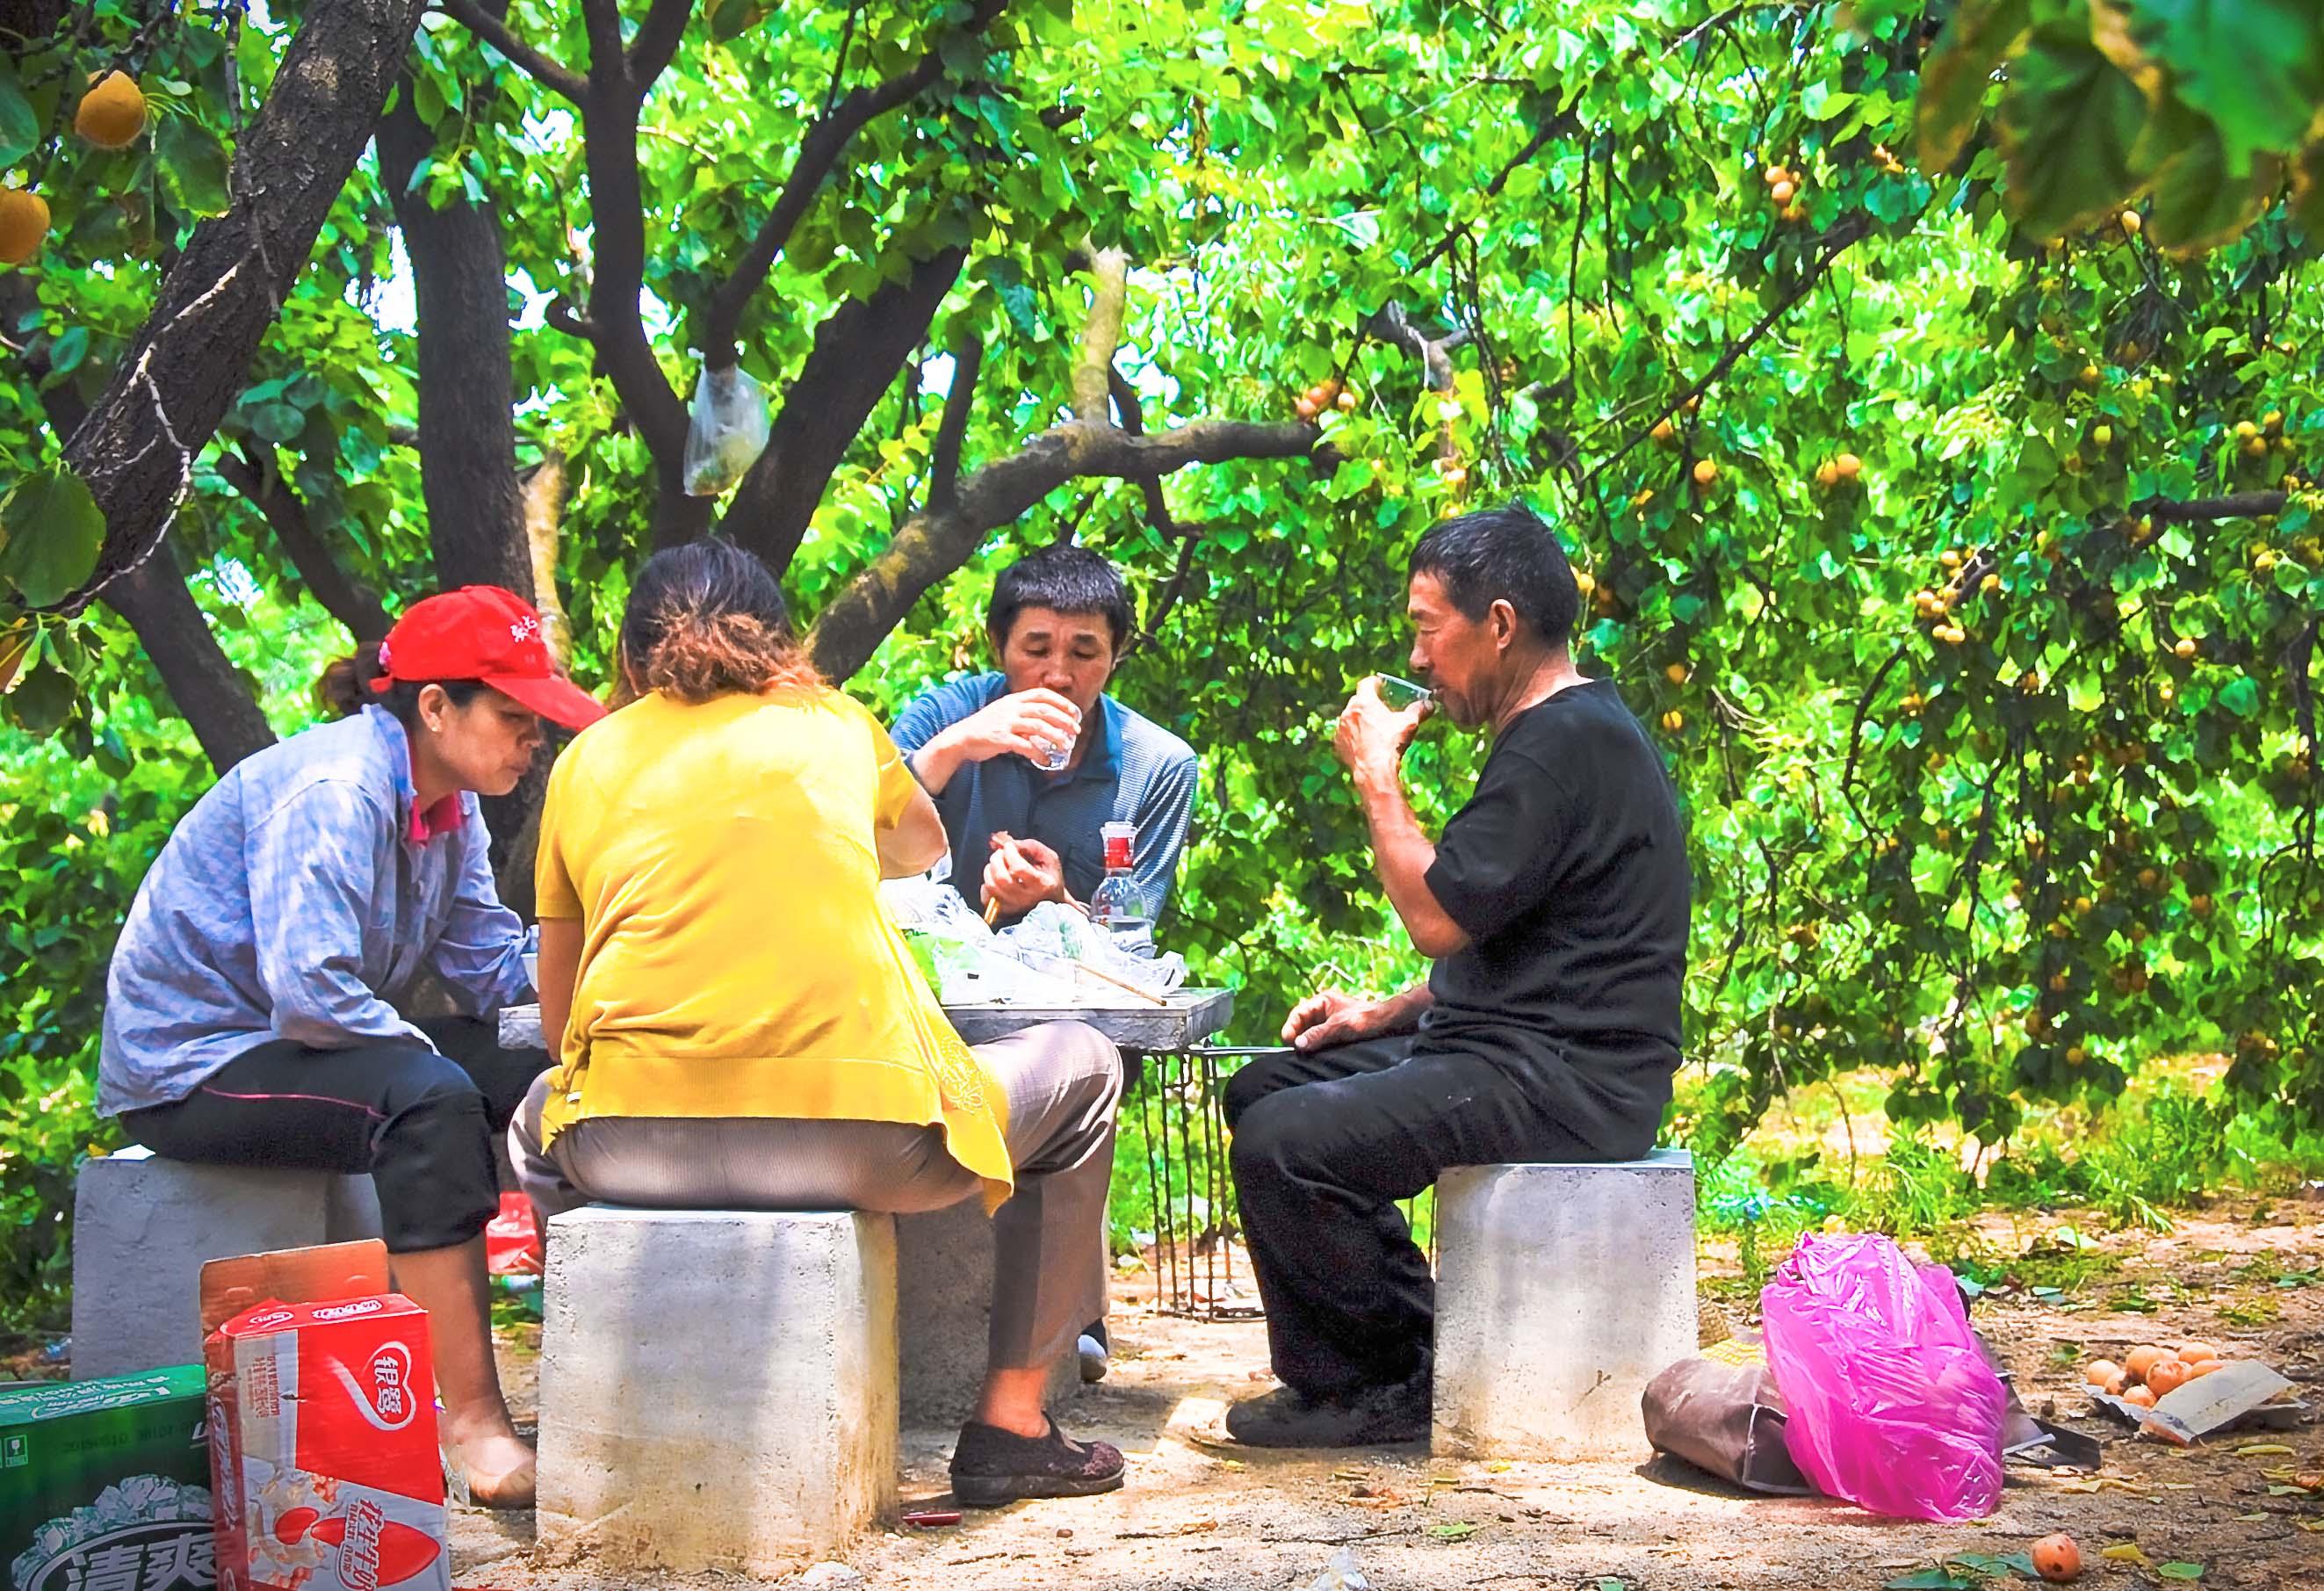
<point x="467" y="431"/>
<point x="857" y="353"/>
<point x="467" y="427"/>
<point x="188" y="360"/>
<point x="210" y="692"/>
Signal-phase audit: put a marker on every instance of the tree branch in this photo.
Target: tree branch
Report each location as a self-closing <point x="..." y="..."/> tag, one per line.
<point x="225" y="292"/>
<point x="656" y="44"/>
<point x="552" y="75"/>
<point x="346" y="599"/>
<point x="818" y="153"/>
<point x="210" y="692"/>
<point x="1548" y="129"/>
<point x="944" y="462"/>
<point x="609" y="115"/>
<point x="1133" y="420"/>
<point x="858" y="350"/>
<point x="1842" y="236"/>
<point x="1100" y="335"/>
<point x="2210" y="510"/>
<point x="934" y="544"/>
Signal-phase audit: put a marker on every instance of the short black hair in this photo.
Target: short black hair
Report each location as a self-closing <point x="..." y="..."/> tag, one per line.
<point x="1065" y="578"/>
<point x="1504" y="554"/>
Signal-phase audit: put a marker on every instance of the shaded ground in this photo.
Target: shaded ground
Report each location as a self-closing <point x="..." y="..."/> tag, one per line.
<point x="1199" y="1513"/>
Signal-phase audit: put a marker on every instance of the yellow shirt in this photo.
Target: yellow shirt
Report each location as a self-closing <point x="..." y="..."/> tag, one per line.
<point x="735" y="960"/>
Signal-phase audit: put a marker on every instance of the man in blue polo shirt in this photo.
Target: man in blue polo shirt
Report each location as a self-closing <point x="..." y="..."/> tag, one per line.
<point x="1028" y="764"/>
<point x="1021" y="832"/>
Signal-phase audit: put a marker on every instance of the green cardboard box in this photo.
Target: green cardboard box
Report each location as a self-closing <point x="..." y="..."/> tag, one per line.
<point x="104" y="1485"/>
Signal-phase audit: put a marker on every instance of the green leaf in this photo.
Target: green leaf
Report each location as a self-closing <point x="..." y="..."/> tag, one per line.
<point x="1931" y="1579"/>
<point x="2254" y="68"/>
<point x="42" y="701"/>
<point x="2069" y="123"/>
<point x="55" y="531"/>
<point x="66" y="352"/>
<point x="2199" y="203"/>
<point x="2179" y="1571"/>
<point x="278" y="423"/>
<point x="20" y="129"/>
<point x="1458" y="1530"/>
<point x="195" y="162"/>
<point x="1954" y="74"/>
<point x="2240" y="697"/>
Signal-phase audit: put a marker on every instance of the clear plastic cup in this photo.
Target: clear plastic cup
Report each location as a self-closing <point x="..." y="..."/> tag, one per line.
<point x="1402" y="694"/>
<point x="1058" y="756"/>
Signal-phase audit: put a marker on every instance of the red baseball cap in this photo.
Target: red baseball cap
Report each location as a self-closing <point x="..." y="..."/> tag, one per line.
<point x="486" y="633"/>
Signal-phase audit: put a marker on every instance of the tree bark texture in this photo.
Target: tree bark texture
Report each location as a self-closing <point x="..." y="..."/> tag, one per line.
<point x="189" y="359"/>
<point x="858" y="351"/>
<point x="467" y="387"/>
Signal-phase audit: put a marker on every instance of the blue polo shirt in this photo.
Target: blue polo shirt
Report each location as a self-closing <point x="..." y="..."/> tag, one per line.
<point x="1135" y="771"/>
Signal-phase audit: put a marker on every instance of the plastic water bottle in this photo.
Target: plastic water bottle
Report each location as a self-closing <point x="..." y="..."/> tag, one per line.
<point x="1120" y="907"/>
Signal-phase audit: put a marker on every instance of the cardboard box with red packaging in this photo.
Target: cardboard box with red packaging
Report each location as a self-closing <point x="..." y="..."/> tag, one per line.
<point x="325" y="1470"/>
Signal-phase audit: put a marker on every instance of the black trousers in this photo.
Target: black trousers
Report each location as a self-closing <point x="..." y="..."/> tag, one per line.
<point x="1325" y="1145"/>
<point x="422" y="1122"/>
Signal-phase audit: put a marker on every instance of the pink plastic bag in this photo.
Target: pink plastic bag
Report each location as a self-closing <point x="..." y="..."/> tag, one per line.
<point x="1892" y="1405"/>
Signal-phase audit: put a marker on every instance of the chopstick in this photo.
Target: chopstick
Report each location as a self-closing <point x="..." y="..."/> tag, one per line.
<point x="992" y="912"/>
<point x="1120" y="982"/>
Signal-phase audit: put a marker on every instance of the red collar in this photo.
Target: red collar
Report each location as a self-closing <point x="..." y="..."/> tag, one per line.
<point x="442" y="818"/>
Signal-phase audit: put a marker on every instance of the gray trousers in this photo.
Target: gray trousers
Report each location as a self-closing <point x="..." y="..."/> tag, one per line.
<point x="1063" y="1082"/>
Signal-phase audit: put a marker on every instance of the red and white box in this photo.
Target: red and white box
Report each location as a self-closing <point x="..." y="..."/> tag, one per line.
<point x="323" y="1458"/>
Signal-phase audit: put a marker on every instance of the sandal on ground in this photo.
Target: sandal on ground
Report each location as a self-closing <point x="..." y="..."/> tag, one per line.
<point x="991" y="1467"/>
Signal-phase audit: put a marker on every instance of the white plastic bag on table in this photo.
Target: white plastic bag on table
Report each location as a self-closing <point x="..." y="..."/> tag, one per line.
<point x="726" y="430"/>
<point x="1051" y="932"/>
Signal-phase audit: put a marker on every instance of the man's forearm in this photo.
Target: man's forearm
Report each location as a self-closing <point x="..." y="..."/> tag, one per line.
<point x="935" y="763"/>
<point x="1401" y="1013"/>
<point x="1402" y="853"/>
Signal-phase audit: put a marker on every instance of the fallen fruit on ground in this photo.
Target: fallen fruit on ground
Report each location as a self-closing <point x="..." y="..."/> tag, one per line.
<point x="2167" y="1377"/>
<point x="2143" y="1358"/>
<point x="24" y="224"/>
<point x="2057" y="1557"/>
<point x="2100" y="1371"/>
<point x="112" y="113"/>
<point x="2191" y="1351"/>
<point x="2142" y="1396"/>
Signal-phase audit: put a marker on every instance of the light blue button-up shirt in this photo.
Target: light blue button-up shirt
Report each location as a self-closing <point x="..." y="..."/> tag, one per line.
<point x="296" y="899"/>
<point x="1134" y="772"/>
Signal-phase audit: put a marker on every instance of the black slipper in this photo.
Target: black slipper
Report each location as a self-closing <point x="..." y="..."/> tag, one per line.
<point x="991" y="1467"/>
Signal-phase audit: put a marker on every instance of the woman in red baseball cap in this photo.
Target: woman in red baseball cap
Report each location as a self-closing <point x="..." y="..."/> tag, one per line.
<point x="252" y="1008"/>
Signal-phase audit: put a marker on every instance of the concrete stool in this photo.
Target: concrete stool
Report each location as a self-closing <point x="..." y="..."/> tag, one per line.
<point x="943" y="1316"/>
<point x="144" y="1226"/>
<point x="717" y="1387"/>
<point x="1561" y="1291"/>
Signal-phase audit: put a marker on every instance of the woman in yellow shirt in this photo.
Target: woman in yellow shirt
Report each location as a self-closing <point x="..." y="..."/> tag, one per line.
<point x="742" y="1026"/>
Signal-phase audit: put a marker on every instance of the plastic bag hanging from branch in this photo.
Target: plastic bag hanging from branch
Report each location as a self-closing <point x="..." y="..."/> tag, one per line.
<point x="726" y="431"/>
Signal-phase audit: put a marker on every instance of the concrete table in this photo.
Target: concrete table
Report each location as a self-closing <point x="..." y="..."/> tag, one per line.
<point x="1186" y="1017"/>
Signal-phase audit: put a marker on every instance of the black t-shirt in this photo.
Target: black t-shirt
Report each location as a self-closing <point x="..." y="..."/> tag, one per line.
<point x="1567" y="869"/>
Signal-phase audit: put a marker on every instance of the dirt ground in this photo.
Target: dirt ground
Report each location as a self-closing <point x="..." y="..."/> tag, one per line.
<point x="1200" y="1513"/>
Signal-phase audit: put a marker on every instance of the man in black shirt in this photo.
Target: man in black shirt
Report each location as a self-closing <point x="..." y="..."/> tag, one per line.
<point x="1555" y="907"/>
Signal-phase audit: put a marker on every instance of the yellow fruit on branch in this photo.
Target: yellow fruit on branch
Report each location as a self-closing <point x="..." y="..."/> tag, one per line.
<point x="1783" y="192"/>
<point x="1675" y="674"/>
<point x="24" y="224"/>
<point x="1705" y="472"/>
<point x="2131" y="222"/>
<point x="2245" y="431"/>
<point x="2102" y="435"/>
<point x="1848" y="466"/>
<point x="1827" y="474"/>
<point x="1664" y="429"/>
<point x="112" y="113"/>
<point x="2184" y="647"/>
